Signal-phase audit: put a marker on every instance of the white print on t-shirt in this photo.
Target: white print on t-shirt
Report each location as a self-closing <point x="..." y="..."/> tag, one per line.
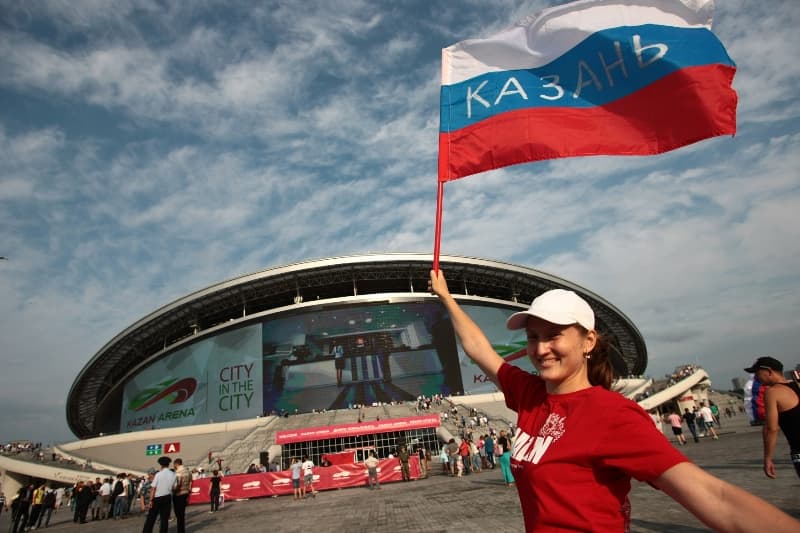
<point x="531" y="450"/>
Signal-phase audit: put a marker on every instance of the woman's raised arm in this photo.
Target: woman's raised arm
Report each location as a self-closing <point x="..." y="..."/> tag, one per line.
<point x="475" y="343"/>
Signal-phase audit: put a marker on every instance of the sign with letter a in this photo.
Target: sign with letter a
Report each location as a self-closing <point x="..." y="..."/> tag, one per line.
<point x="172" y="447"/>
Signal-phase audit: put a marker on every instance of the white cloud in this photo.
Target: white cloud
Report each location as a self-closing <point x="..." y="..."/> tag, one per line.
<point x="151" y="149"/>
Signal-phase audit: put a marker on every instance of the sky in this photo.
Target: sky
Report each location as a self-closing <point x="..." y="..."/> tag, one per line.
<point x="150" y="149"/>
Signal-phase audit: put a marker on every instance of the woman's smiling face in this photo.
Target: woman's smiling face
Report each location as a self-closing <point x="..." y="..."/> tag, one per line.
<point x="559" y="354"/>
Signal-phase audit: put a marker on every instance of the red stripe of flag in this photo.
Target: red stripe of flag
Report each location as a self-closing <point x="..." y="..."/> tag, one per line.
<point x="680" y="109"/>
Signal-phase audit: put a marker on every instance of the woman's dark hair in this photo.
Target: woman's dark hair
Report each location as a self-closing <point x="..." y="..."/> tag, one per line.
<point x="599" y="365"/>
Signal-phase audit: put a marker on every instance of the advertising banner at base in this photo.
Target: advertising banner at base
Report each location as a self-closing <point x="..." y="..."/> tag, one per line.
<point x="262" y="485"/>
<point x="361" y="428"/>
<point x="214" y="380"/>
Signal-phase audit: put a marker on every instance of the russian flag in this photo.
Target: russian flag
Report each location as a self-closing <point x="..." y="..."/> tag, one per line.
<point x="592" y="77"/>
<point x="754" y="400"/>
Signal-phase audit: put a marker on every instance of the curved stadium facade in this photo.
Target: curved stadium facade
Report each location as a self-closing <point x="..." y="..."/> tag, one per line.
<point x="265" y="342"/>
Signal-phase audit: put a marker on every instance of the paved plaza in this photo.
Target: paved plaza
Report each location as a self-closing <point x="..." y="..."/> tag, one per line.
<point x="478" y="502"/>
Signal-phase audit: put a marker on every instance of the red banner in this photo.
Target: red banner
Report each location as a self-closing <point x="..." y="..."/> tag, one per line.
<point x="245" y="486"/>
<point x="359" y="428"/>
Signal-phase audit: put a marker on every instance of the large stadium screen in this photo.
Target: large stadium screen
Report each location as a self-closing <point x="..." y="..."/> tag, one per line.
<point x="329" y="358"/>
<point x="360" y="355"/>
<point x="213" y="380"/>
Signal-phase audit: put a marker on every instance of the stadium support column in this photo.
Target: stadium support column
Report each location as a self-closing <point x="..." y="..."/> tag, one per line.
<point x="11" y="482"/>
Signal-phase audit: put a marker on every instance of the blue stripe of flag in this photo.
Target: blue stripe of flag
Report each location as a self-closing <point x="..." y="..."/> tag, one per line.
<point x="686" y="47"/>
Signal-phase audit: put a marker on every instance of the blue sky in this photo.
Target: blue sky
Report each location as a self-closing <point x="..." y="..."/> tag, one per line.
<point x="150" y="149"/>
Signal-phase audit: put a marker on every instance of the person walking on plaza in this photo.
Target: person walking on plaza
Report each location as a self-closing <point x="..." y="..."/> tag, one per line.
<point x="503" y="445"/>
<point x="715" y="412"/>
<point x="131" y="494"/>
<point x="781" y="410"/>
<point x="463" y="453"/>
<point x="297" y="474"/>
<point x="215" y="490"/>
<point x="444" y="458"/>
<point x="689" y="417"/>
<point x="120" y="493"/>
<point x="308" y="477"/>
<point x="404" y="457"/>
<point x="488" y="445"/>
<point x="180" y="496"/>
<point x="36" y="507"/>
<point x="475" y="456"/>
<point x="144" y="492"/>
<point x="84" y="496"/>
<point x="676" y="422"/>
<point x="452" y="455"/>
<point x="48" y="506"/>
<point x="708" y="420"/>
<point x="423" y="462"/>
<point x="105" y="498"/>
<point x="160" y="497"/>
<point x="97" y="503"/>
<point x="577" y="443"/>
<point x="371" y="463"/>
<point x="20" y="508"/>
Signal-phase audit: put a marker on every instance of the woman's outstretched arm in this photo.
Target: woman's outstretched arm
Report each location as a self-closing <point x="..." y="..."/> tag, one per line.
<point x="720" y="505"/>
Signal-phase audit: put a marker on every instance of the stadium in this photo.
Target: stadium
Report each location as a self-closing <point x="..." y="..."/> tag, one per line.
<point x="264" y="343"/>
<point x="313" y="358"/>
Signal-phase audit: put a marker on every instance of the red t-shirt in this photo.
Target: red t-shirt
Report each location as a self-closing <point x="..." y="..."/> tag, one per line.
<point x="574" y="454"/>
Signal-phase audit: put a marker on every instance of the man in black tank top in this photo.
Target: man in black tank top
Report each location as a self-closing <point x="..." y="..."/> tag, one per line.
<point x="782" y="409"/>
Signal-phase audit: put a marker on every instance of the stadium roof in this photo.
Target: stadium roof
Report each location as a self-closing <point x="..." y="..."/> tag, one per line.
<point x="338" y="280"/>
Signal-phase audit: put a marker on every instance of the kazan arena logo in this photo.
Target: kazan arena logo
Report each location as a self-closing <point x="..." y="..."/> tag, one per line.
<point x="195" y="490"/>
<point x="281" y="481"/>
<point x="225" y="486"/>
<point x="251" y="485"/>
<point x="341" y="475"/>
<point x="172" y="389"/>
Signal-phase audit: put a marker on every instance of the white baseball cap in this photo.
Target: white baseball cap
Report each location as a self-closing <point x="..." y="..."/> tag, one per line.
<point x="557" y="306"/>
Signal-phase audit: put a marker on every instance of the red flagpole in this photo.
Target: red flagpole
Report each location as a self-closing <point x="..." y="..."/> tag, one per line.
<point x="438" y="232"/>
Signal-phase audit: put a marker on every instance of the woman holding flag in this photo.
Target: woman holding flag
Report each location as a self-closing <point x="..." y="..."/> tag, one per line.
<point x="577" y="444"/>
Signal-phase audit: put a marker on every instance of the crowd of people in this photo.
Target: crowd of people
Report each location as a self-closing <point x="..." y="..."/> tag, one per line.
<point x="701" y="421"/>
<point x="33" y="506"/>
<point x="34" y="451"/>
<point x="112" y="498"/>
<point x="426" y="403"/>
<point x="682" y="372"/>
<point x="109" y="498"/>
<point x="20" y="446"/>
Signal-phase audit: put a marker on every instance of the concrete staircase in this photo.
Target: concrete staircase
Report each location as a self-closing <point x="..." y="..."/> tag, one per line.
<point x="241" y="452"/>
<point x="498" y="415"/>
